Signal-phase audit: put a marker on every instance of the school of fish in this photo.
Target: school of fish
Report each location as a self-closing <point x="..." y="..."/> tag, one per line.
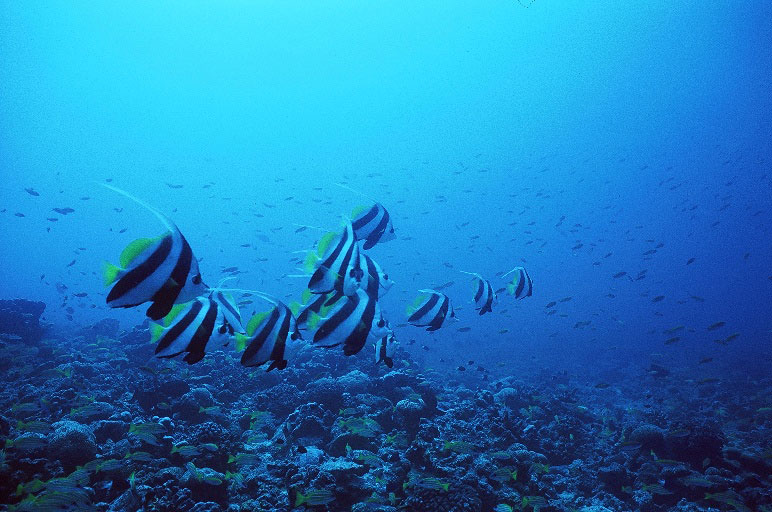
<point x="339" y="307"/>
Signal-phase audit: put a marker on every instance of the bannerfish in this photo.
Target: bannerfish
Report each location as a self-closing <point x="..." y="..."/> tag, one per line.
<point x="188" y="328"/>
<point x="373" y="225"/>
<point x="230" y="311"/>
<point x="430" y="309"/>
<point x="348" y="322"/>
<point x="162" y="270"/>
<point x="521" y="285"/>
<point x="484" y="296"/>
<point x="335" y="263"/>
<point x="267" y="337"/>
<point x="384" y="349"/>
<point x="374" y="281"/>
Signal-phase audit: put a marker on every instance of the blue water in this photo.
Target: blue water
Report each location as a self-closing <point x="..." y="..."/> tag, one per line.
<point x="570" y="138"/>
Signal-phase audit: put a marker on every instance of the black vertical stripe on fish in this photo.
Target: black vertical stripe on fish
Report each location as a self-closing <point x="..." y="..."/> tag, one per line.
<point x="488" y="295"/>
<point x="268" y="340"/>
<point x="425" y="308"/>
<point x="178" y="328"/>
<point x="439" y="318"/>
<point x="258" y="339"/>
<point x="226" y="305"/>
<point x="355" y="342"/>
<point x="360" y="222"/>
<point x="163" y="299"/>
<point x="351" y="322"/>
<point x="373" y="226"/>
<point x="520" y="286"/>
<point x="431" y="311"/>
<point x="523" y="284"/>
<point x="530" y="283"/>
<point x="138" y="274"/>
<point x="341" y="269"/>
<point x="491" y="299"/>
<point x="197" y="346"/>
<point x="329" y="325"/>
<point x="277" y="354"/>
<point x="345" y="270"/>
<point x="330" y="260"/>
<point x="379" y="230"/>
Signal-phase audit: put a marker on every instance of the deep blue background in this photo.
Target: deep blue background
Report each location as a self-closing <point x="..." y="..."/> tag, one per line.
<point x="478" y="124"/>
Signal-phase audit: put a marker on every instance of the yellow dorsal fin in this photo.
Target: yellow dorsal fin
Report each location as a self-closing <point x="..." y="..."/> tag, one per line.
<point x="305" y="297"/>
<point x="294" y="307"/>
<point x="110" y="273"/>
<point x="156" y="330"/>
<point x="136" y="248"/>
<point x="324" y="243"/>
<point x="255" y="321"/>
<point x="358" y="210"/>
<point x="169" y="318"/>
<point x="412" y="308"/>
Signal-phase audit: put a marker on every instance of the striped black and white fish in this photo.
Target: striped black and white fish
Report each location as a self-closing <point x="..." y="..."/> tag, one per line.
<point x="161" y="270"/>
<point x="484" y="296"/>
<point x="230" y="311"/>
<point x="430" y="309"/>
<point x="271" y="336"/>
<point x="188" y="328"/>
<point x="375" y="281"/>
<point x="335" y="263"/>
<point x="348" y="322"/>
<point x="521" y="285"/>
<point x="373" y="225"/>
<point x="384" y="349"/>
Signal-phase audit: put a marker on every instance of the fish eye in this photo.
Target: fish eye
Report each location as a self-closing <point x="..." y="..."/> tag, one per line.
<point x="197" y="279"/>
<point x="386" y="276"/>
<point x="381" y="323"/>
